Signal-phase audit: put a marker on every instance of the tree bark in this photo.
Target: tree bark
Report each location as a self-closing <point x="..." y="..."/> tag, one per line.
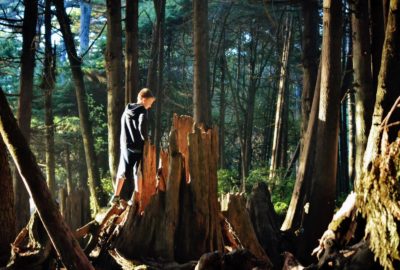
<point x="364" y="94"/>
<point x="160" y="86"/>
<point x="179" y="222"/>
<point x="131" y="51"/>
<point x="24" y="113"/>
<point x="201" y="91"/>
<point x="7" y="210"/>
<point x="61" y="236"/>
<point x="377" y="38"/>
<point x="86" y="10"/>
<point x="222" y="109"/>
<point x="301" y="190"/>
<point x="277" y="142"/>
<point x="96" y="192"/>
<point x="323" y="189"/>
<point x="310" y="55"/>
<point x="115" y="92"/>
<point x="48" y="81"/>
<point x="388" y="82"/>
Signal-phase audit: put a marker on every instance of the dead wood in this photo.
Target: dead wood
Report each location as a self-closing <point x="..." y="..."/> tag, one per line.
<point x="60" y="234"/>
<point x="32" y="248"/>
<point x="239" y="217"/>
<point x="265" y="221"/>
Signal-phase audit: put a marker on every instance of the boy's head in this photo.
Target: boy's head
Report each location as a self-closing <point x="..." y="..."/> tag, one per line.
<point x="146" y="98"/>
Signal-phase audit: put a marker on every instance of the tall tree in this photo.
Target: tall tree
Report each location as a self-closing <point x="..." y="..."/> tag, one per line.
<point x="222" y="110"/>
<point x="96" y="191"/>
<point x="115" y="94"/>
<point x="310" y="41"/>
<point x="24" y="114"/>
<point x="323" y="189"/>
<point x="160" y="86"/>
<point x="7" y="210"/>
<point x="377" y="37"/>
<point x="131" y="51"/>
<point x="86" y="11"/>
<point x="388" y="81"/>
<point x="364" y="94"/>
<point x="201" y="91"/>
<point x="282" y="102"/>
<point x="47" y="85"/>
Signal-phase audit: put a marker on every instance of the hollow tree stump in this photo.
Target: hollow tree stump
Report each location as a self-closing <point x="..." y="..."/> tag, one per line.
<point x="180" y="220"/>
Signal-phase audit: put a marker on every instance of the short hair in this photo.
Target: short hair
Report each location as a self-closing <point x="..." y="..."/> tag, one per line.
<point x="145" y="93"/>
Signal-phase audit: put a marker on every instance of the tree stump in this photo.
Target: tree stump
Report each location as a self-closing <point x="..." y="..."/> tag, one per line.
<point x="239" y="217"/>
<point x="177" y="217"/>
<point x="265" y="221"/>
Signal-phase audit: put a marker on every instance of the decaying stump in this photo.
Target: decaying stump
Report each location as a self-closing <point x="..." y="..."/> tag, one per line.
<point x="180" y="223"/>
<point x="239" y="217"/>
<point x="32" y="247"/>
<point x="265" y="221"/>
<point x="178" y="219"/>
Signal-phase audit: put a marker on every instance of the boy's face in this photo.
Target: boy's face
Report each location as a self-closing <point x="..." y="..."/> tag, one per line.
<point x="147" y="102"/>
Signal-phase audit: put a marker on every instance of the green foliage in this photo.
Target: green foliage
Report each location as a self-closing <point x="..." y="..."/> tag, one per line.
<point x="228" y="181"/>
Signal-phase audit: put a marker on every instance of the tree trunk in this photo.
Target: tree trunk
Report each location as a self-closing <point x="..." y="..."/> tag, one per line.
<point x="352" y="143"/>
<point x="222" y="108"/>
<point x="301" y="190"/>
<point x="61" y="236"/>
<point x="364" y="93"/>
<point x="7" y="210"/>
<point x="115" y="92"/>
<point x="47" y="85"/>
<point x="310" y="55"/>
<point x="201" y="91"/>
<point x="323" y="189"/>
<point x="265" y="221"/>
<point x="24" y="114"/>
<point x="160" y="86"/>
<point x="277" y="142"/>
<point x="96" y="192"/>
<point x="68" y="169"/>
<point x="86" y="10"/>
<point x="180" y="222"/>
<point x="377" y="38"/>
<point x="246" y="149"/>
<point x="131" y="51"/>
<point x="388" y="82"/>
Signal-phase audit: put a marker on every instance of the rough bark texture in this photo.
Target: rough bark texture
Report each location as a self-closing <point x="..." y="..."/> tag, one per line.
<point x="115" y="92"/>
<point x="60" y="234"/>
<point x="362" y="82"/>
<point x="201" y="95"/>
<point x="96" y="192"/>
<point x="7" y="210"/>
<point x="131" y="51"/>
<point x="323" y="189"/>
<point x="24" y="113"/>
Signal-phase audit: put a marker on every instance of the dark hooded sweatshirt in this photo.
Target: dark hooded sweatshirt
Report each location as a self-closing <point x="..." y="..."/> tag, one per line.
<point x="133" y="127"/>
